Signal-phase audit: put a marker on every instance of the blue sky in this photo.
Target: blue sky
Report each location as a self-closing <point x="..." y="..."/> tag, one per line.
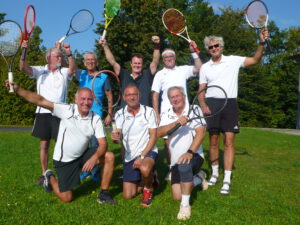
<point x="53" y="16"/>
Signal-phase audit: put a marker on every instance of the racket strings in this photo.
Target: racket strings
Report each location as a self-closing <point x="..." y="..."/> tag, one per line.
<point x="30" y="19"/>
<point x="10" y="37"/>
<point x="257" y="14"/>
<point x="82" y="20"/>
<point x="111" y="8"/>
<point x="174" y="21"/>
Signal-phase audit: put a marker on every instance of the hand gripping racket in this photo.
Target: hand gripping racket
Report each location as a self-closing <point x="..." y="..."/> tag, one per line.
<point x="257" y="17"/>
<point x="208" y="102"/>
<point x="10" y="40"/>
<point x="174" y="22"/>
<point x="111" y="8"/>
<point x="80" y="22"/>
<point x="29" y="22"/>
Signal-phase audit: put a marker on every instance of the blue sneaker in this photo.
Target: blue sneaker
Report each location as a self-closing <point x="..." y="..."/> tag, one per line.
<point x="96" y="173"/>
<point x="84" y="175"/>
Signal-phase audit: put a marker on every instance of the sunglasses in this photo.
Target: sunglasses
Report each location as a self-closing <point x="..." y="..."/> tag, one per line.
<point x="214" y="46"/>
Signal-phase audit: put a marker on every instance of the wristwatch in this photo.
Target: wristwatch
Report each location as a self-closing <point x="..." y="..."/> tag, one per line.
<point x="141" y="156"/>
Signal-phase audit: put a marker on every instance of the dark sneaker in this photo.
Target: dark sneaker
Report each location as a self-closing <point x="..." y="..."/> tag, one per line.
<point x="105" y="198"/>
<point x="47" y="184"/>
<point x="40" y="181"/>
<point x="146" y="198"/>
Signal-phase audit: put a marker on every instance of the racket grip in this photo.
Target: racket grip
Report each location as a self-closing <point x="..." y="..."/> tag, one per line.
<point x="104" y="34"/>
<point x="10" y="80"/>
<point x="24" y="53"/>
<point x="62" y="39"/>
<point x="171" y="131"/>
<point x="197" y="50"/>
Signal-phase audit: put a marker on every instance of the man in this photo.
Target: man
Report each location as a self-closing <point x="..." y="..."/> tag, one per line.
<point x="223" y="71"/>
<point x="185" y="144"/>
<point x="136" y="124"/>
<point x="101" y="88"/>
<point x="71" y="153"/>
<point x="52" y="83"/>
<point x="142" y="78"/>
<point x="172" y="75"/>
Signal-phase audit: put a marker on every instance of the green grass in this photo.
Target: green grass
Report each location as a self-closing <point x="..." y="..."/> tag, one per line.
<point x="265" y="188"/>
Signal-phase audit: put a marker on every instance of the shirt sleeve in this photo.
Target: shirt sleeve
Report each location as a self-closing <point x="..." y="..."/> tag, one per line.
<point x="63" y="111"/>
<point x="36" y="71"/>
<point x="119" y="118"/>
<point x="188" y="71"/>
<point x="99" y="128"/>
<point x="202" y="76"/>
<point x="77" y="74"/>
<point x="152" y="119"/>
<point x="164" y="119"/>
<point x="156" y="85"/>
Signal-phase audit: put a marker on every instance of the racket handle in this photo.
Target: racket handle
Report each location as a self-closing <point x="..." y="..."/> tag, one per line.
<point x="10" y="80"/>
<point x="171" y="131"/>
<point x="197" y="50"/>
<point x="62" y="39"/>
<point x="104" y="34"/>
<point x="24" y="53"/>
<point x="269" y="48"/>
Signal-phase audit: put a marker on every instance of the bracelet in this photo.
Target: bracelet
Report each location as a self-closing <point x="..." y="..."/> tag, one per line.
<point x="69" y="55"/>
<point x="156" y="46"/>
<point x="194" y="55"/>
<point x="190" y="151"/>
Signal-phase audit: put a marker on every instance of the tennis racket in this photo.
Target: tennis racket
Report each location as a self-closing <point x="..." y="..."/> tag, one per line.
<point x="10" y="40"/>
<point x="174" y="22"/>
<point x="80" y="22"/>
<point x="257" y="16"/>
<point x="29" y="22"/>
<point x="111" y="8"/>
<point x="214" y="97"/>
<point x="116" y="94"/>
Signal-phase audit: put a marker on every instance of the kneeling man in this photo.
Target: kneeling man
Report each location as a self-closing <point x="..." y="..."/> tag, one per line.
<point x="136" y="127"/>
<point x="71" y="153"/>
<point x="185" y="149"/>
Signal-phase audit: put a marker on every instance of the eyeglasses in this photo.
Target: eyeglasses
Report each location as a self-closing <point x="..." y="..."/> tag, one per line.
<point x="214" y="46"/>
<point x="90" y="60"/>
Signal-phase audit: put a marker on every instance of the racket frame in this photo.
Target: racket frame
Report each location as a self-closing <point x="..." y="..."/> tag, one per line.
<point x="184" y="30"/>
<point x="74" y="31"/>
<point x="107" y="19"/>
<point x="261" y="27"/>
<point x="27" y="32"/>
<point x="10" y="63"/>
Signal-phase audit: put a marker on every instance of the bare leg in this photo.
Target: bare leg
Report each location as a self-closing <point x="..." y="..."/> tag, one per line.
<point x="108" y="168"/>
<point x="214" y="145"/>
<point x="44" y="148"/>
<point x="129" y="190"/>
<point x="66" y="196"/>
<point x="229" y="150"/>
<point x="147" y="171"/>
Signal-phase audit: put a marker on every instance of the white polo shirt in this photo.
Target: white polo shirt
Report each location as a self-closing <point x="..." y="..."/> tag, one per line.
<point x="75" y="132"/>
<point x="224" y="74"/>
<point x="51" y="85"/>
<point x="182" y="138"/>
<point x="135" y="130"/>
<point x="166" y="78"/>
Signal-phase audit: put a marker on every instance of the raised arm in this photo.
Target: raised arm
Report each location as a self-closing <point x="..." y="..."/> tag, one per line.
<point x="109" y="56"/>
<point x="197" y="60"/>
<point x="72" y="65"/>
<point x="31" y="97"/>
<point x="156" y="54"/>
<point x="249" y="61"/>
<point x="24" y="67"/>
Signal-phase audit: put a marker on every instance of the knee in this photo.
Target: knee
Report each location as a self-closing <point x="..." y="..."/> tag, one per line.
<point x="66" y="198"/>
<point x="109" y="157"/>
<point x="145" y="170"/>
<point x="127" y="196"/>
<point x="184" y="168"/>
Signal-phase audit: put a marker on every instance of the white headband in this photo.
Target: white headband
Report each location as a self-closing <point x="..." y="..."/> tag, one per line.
<point x="168" y="51"/>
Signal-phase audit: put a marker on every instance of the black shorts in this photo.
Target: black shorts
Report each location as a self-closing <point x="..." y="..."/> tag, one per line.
<point x="225" y="121"/>
<point x="45" y="126"/>
<point x="68" y="173"/>
<point x="196" y="164"/>
<point x="134" y="175"/>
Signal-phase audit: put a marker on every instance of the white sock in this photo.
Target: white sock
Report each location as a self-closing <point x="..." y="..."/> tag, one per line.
<point x="215" y="170"/>
<point x="197" y="181"/>
<point x="227" y="176"/>
<point x="185" y="200"/>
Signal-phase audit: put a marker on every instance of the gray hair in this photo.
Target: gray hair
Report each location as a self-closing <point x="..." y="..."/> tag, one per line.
<point x="168" y="50"/>
<point x="90" y="53"/>
<point x="181" y="89"/>
<point x="211" y="38"/>
<point x="50" y="50"/>
<point x="82" y="89"/>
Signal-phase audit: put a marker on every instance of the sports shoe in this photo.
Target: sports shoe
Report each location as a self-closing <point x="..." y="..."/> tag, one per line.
<point x="47" y="184"/>
<point x="202" y="176"/>
<point x="146" y="198"/>
<point x="40" y="181"/>
<point x="105" y="198"/>
<point x="184" y="212"/>
<point x="96" y="173"/>
<point x="213" y="180"/>
<point x="84" y="175"/>
<point x="225" y="190"/>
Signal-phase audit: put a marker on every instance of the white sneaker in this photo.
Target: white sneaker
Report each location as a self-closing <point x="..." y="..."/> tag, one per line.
<point x="225" y="190"/>
<point x="213" y="180"/>
<point x="184" y="212"/>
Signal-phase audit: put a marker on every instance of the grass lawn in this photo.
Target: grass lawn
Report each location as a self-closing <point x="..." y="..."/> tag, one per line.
<point x="265" y="188"/>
